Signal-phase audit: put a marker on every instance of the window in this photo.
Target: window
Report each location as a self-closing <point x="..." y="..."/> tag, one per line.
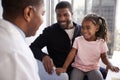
<point x="1" y="10"/>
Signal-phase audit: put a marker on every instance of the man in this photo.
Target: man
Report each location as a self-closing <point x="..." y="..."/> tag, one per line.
<point x="58" y="38"/>
<point x="21" y="18"/>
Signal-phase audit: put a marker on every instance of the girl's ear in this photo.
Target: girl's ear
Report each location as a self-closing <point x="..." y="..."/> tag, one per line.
<point x="97" y="27"/>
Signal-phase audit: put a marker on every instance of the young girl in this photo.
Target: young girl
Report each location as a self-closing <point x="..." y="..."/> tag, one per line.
<point x="88" y="49"/>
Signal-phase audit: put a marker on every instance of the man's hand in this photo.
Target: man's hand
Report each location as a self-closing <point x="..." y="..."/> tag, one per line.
<point x="48" y="64"/>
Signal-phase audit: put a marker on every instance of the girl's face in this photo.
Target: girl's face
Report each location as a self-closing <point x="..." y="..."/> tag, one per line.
<point x="89" y="30"/>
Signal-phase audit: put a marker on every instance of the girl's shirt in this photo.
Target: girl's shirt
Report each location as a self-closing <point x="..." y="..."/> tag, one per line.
<point x="88" y="54"/>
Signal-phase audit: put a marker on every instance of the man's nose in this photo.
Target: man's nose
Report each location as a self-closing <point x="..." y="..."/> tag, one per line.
<point x="62" y="18"/>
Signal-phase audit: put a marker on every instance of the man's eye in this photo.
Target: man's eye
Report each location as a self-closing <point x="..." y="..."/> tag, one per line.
<point x="66" y="15"/>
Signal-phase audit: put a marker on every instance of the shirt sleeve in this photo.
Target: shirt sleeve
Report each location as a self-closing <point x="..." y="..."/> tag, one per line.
<point x="104" y="47"/>
<point x="75" y="44"/>
<point x="39" y="44"/>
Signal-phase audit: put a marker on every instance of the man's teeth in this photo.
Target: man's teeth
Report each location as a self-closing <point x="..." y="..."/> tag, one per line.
<point x="63" y="23"/>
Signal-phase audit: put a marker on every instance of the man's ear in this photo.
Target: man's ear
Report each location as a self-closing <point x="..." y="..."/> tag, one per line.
<point x="28" y="13"/>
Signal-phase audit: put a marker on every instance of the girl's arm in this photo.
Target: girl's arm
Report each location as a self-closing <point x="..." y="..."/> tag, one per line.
<point x="108" y="64"/>
<point x="69" y="59"/>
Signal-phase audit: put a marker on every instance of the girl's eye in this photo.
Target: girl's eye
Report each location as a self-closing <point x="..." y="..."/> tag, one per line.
<point x="88" y="27"/>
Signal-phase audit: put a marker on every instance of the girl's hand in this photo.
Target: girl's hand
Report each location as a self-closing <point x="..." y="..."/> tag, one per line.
<point x="60" y="70"/>
<point x="113" y="68"/>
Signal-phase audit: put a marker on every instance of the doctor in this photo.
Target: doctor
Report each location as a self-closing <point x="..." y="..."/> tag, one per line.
<point x="21" y="18"/>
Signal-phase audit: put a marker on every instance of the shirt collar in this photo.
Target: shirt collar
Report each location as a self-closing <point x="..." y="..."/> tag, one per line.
<point x="21" y="32"/>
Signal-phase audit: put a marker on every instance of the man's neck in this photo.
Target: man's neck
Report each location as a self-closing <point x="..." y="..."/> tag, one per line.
<point x="70" y="26"/>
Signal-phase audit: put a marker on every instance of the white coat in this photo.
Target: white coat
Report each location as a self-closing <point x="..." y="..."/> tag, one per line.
<point x="16" y="59"/>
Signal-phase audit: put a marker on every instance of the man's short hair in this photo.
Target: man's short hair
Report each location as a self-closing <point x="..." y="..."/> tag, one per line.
<point x="16" y="7"/>
<point x="64" y="4"/>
